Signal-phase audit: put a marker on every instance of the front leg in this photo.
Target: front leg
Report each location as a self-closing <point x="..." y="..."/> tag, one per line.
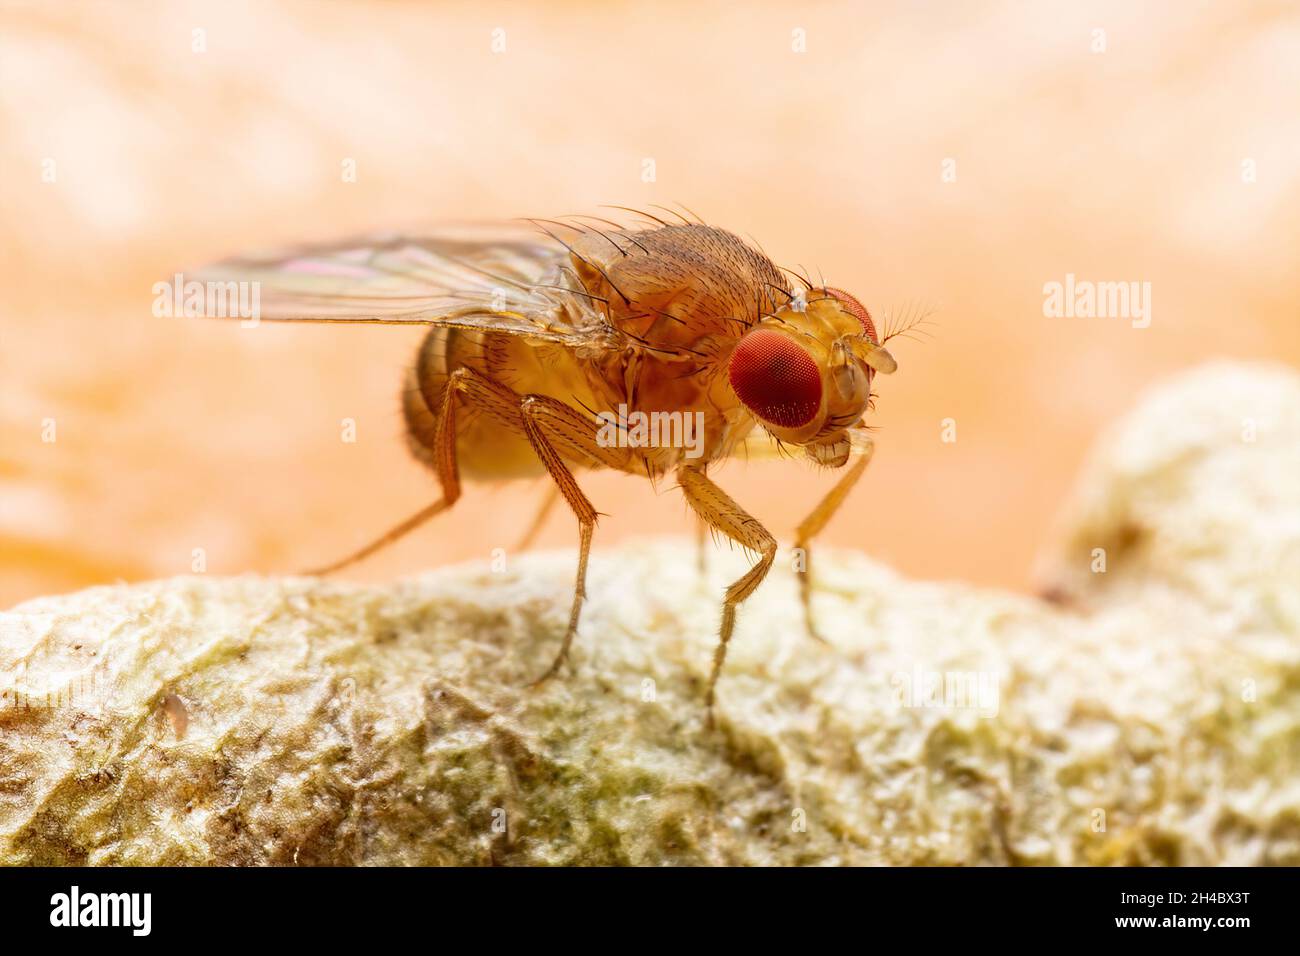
<point x="721" y="513"/>
<point x="860" y="451"/>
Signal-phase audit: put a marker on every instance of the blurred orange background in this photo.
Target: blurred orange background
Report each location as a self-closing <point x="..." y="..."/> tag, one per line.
<point x="1121" y="142"/>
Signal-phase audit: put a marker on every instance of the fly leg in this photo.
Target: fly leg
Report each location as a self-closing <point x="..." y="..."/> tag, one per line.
<point x="460" y="384"/>
<point x="555" y="431"/>
<point x="554" y="428"/>
<point x="721" y="513"/>
<point x="859" y="457"/>
<point x="388" y="537"/>
<point x="539" y="520"/>
<point x="701" y="547"/>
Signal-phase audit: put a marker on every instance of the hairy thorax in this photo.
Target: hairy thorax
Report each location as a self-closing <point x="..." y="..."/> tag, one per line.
<point x="680" y="295"/>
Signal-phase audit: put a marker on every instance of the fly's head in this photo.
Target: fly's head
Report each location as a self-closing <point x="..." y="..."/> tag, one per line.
<point x="805" y="372"/>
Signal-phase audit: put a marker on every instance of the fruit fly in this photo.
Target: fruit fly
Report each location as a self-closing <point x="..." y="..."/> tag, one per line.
<point x="533" y="336"/>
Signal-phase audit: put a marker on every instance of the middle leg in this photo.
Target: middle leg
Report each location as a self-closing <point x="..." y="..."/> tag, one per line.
<point x="554" y="428"/>
<point x="556" y="432"/>
<point x="720" y="512"/>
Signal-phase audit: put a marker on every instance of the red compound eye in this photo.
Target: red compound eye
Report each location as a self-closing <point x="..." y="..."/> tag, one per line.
<point x="858" y="309"/>
<point x="776" y="379"/>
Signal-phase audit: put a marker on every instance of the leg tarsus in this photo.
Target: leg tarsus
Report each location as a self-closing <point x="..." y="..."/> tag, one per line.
<point x="444" y="463"/>
<point x="579" y="596"/>
<point x="388" y="537"/>
<point x="860" y="457"/>
<point x="701" y="547"/>
<point x="548" y="422"/>
<point x="805" y="596"/>
<point x="539" y="520"/>
<point x="717" y="508"/>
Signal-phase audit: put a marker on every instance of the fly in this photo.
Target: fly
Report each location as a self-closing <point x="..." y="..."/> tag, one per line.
<point x="533" y="344"/>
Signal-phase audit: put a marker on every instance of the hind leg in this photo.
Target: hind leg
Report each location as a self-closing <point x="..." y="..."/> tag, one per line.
<point x="554" y="430"/>
<point x="440" y="452"/>
<point x="539" y="520"/>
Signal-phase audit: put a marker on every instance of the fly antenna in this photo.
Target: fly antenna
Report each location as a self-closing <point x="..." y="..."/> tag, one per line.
<point x="909" y="324"/>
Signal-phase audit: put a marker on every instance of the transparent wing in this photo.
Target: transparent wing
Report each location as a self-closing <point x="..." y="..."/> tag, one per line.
<point x="474" y="277"/>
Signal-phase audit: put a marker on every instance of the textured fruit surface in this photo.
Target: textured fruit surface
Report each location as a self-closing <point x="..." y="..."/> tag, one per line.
<point x="291" y="721"/>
